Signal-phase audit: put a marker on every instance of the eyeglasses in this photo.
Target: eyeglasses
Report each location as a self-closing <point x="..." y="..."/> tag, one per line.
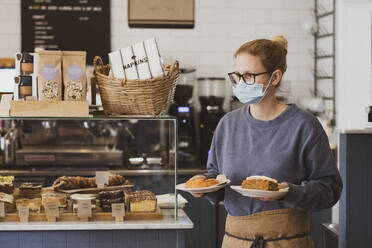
<point x="248" y="78"/>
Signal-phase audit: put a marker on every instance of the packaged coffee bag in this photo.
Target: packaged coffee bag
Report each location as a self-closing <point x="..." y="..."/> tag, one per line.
<point x="74" y="75"/>
<point x="49" y="75"/>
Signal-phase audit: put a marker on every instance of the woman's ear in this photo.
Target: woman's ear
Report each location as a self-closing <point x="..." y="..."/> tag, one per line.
<point x="277" y="77"/>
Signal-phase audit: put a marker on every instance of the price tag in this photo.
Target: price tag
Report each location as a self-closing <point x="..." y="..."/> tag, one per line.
<point x="2" y="210"/>
<point x="23" y="213"/>
<point x="52" y="209"/>
<point x="102" y="178"/>
<point x="84" y="209"/>
<point x="118" y="210"/>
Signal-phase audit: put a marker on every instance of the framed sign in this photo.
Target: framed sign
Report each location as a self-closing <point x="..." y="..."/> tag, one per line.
<point x="161" y="13"/>
<point x="77" y="25"/>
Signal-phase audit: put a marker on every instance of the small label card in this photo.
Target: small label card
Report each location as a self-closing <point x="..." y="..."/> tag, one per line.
<point x="102" y="178"/>
<point x="118" y="211"/>
<point x="52" y="211"/>
<point x="84" y="209"/>
<point x="23" y="213"/>
<point x="2" y="210"/>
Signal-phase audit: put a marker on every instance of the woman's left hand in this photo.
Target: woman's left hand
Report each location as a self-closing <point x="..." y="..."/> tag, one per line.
<point x="280" y="186"/>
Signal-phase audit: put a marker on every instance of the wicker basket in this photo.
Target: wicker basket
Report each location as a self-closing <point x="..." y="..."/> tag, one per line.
<point x="135" y="97"/>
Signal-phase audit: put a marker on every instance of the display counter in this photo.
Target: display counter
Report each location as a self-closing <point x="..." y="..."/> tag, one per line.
<point x="355" y="213"/>
<point x="162" y="233"/>
<point x="89" y="167"/>
<point x="167" y="223"/>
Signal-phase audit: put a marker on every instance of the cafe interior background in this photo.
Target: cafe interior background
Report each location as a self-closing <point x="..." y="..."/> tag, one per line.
<point x="329" y="74"/>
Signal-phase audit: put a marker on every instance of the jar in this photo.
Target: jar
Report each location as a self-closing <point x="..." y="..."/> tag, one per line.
<point x="24" y="86"/>
<point x="27" y="64"/>
<point x="185" y="85"/>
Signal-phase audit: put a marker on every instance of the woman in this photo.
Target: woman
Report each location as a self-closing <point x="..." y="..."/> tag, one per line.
<point x="269" y="138"/>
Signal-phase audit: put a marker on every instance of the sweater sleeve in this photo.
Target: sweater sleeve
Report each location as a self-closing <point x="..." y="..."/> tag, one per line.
<point x="323" y="185"/>
<point x="212" y="164"/>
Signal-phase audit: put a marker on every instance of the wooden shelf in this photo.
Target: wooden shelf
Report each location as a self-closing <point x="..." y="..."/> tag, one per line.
<point x="96" y="216"/>
<point x="49" y="109"/>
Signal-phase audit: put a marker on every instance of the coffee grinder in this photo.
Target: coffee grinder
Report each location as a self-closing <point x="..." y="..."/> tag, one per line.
<point x="183" y="109"/>
<point x="211" y="96"/>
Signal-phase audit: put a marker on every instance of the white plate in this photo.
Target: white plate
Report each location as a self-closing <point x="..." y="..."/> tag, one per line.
<point x="154" y="160"/>
<point x="136" y="161"/>
<point x="259" y="193"/>
<point x="78" y="197"/>
<point x="204" y="189"/>
<point x="167" y="201"/>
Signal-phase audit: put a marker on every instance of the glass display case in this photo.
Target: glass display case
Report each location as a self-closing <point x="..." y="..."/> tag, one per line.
<point x="140" y="149"/>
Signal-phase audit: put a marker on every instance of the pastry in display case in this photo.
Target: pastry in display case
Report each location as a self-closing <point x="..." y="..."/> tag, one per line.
<point x="107" y="198"/>
<point x="6" y="184"/>
<point x="141" y="201"/>
<point x="64" y="146"/>
<point x="33" y="204"/>
<point x="8" y="201"/>
<point x="138" y="204"/>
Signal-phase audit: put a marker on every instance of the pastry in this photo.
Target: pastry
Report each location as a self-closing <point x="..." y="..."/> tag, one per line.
<point x="130" y="194"/>
<point x="30" y="189"/>
<point x="260" y="183"/>
<point x="66" y="183"/>
<point x="6" y="184"/>
<point x="6" y="188"/>
<point x="201" y="182"/>
<point x="52" y="197"/>
<point x="111" y="201"/>
<point x="115" y="180"/>
<point x="106" y="208"/>
<point x="8" y="201"/>
<point x="111" y="194"/>
<point x="6" y="179"/>
<point x="106" y="198"/>
<point x="142" y="201"/>
<point x="74" y="182"/>
<point x="33" y="204"/>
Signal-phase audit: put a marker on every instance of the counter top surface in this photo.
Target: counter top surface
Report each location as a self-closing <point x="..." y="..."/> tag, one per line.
<point x="356" y="131"/>
<point x="77" y="172"/>
<point x="167" y="222"/>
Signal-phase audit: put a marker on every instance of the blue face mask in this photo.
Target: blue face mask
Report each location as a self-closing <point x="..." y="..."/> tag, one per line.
<point x="250" y="93"/>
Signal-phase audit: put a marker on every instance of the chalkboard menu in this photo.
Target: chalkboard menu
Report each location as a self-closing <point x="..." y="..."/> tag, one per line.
<point x="67" y="25"/>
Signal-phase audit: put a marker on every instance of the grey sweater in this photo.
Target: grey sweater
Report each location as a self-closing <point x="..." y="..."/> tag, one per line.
<point x="291" y="148"/>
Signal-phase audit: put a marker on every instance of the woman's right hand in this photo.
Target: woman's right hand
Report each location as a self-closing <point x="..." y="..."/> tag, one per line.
<point x="198" y="195"/>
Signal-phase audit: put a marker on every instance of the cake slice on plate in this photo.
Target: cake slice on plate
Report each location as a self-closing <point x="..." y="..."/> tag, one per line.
<point x="260" y="183"/>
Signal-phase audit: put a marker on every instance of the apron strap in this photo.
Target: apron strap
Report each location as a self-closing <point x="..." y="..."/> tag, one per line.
<point x="259" y="241"/>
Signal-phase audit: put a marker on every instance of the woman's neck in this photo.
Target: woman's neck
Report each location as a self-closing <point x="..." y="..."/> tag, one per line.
<point x="268" y="109"/>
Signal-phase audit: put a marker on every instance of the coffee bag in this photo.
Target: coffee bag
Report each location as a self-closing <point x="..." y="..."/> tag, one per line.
<point x="49" y="75"/>
<point x="74" y="75"/>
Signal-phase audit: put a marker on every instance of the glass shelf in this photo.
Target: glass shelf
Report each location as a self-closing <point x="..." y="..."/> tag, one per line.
<point x="140" y="148"/>
<point x="126" y="117"/>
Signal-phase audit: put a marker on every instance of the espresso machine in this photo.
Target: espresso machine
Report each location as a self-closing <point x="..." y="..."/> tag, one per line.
<point x="86" y="143"/>
<point x="184" y="110"/>
<point x="211" y="93"/>
<point x="60" y="142"/>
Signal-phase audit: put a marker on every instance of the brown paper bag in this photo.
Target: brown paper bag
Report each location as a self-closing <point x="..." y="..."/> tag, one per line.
<point x="49" y="75"/>
<point x="74" y="75"/>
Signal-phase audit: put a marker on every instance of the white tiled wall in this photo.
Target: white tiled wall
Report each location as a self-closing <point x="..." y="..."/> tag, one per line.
<point x="221" y="26"/>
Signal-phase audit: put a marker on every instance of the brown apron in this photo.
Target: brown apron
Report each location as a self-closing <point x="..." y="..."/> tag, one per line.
<point x="282" y="228"/>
